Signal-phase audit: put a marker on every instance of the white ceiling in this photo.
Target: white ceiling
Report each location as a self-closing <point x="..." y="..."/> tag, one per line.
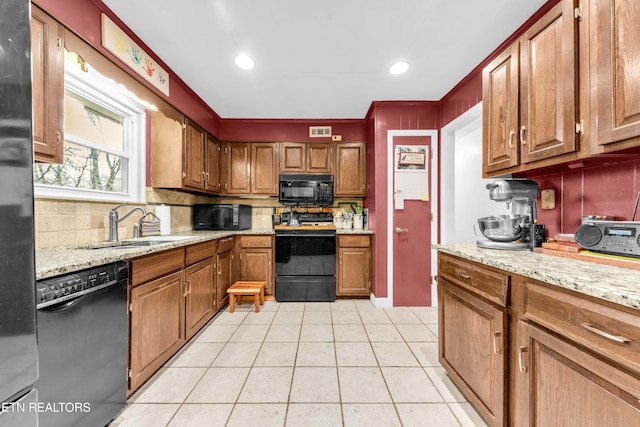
<point x="320" y="59"/>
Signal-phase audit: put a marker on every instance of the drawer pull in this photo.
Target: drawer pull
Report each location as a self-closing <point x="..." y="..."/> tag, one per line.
<point x="604" y="334"/>
<point x="496" y="337"/>
<point x="463" y="274"/>
<point x="522" y="350"/>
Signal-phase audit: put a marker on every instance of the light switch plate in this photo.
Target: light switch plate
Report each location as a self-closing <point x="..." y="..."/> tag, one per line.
<point x="548" y="199"/>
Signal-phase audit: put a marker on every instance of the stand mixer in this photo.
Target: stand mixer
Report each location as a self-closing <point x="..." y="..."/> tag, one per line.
<point x="515" y="231"/>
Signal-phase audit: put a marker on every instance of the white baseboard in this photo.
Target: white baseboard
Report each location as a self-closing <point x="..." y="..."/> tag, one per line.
<point x="380" y="302"/>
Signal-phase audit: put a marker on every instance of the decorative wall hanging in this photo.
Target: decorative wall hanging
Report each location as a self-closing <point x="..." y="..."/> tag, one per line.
<point x="121" y="45"/>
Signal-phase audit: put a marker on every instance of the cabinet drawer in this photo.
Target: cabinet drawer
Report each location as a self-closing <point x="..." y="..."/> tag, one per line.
<point x="608" y="331"/>
<point x="353" y="241"/>
<point x="486" y="282"/>
<point x="151" y="266"/>
<point x="225" y="244"/>
<point x="255" y="241"/>
<point x="200" y="251"/>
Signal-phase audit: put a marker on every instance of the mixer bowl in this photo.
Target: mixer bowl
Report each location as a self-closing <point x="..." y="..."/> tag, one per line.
<point x="503" y="228"/>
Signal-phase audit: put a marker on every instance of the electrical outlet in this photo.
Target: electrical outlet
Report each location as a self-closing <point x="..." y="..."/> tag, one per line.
<point x="336" y="137"/>
<point x="548" y="199"/>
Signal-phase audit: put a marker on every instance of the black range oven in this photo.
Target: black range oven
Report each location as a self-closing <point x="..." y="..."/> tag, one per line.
<point x="305" y="265"/>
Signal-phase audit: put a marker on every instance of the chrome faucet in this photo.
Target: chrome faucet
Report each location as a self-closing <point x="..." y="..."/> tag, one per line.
<point x="114" y="220"/>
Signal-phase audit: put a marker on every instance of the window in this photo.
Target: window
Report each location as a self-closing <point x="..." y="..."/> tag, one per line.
<point x="104" y="142"/>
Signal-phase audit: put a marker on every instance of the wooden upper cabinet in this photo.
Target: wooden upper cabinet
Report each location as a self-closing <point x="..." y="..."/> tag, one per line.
<point x="531" y="97"/>
<point x="193" y="175"/>
<point x="320" y="157"/>
<point x="548" y="81"/>
<point x="235" y="168"/>
<point x="47" y="55"/>
<point x="264" y="169"/>
<point x="350" y="169"/>
<point x="500" y="121"/>
<point x="212" y="152"/>
<point x="618" y="73"/>
<point x="293" y="157"/>
<point x="301" y="157"/>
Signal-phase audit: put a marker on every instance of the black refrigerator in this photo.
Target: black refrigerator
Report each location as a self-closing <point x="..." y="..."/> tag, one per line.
<point x="18" y="347"/>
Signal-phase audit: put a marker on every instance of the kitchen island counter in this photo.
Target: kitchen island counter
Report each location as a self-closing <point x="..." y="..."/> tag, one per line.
<point x="614" y="284"/>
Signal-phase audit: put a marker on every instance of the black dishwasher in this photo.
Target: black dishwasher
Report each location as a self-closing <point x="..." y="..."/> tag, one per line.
<point x="305" y="265"/>
<point x="82" y="343"/>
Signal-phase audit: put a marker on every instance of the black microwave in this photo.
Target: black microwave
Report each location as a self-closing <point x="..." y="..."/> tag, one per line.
<point x="221" y="217"/>
<point x="306" y="189"/>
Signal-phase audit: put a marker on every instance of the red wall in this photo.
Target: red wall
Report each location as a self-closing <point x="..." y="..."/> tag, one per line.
<point x="608" y="189"/>
<point x="84" y="18"/>
<point x="383" y="116"/>
<point x="289" y="129"/>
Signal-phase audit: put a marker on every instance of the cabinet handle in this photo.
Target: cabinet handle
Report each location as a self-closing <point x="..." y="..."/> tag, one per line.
<point x="522" y="350"/>
<point x="203" y="175"/>
<point x="462" y="274"/>
<point x="604" y="334"/>
<point x="58" y="136"/>
<point x="188" y="286"/>
<point x="184" y="292"/>
<point x="496" y="347"/>
<point x="511" y="134"/>
<point x="522" y="130"/>
<point x="219" y="268"/>
<point x="207" y="176"/>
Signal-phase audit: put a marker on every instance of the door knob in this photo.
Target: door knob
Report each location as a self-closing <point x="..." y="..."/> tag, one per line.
<point x="401" y="230"/>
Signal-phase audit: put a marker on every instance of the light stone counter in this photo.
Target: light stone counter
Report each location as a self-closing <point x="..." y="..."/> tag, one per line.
<point x="615" y="284"/>
<point x="62" y="260"/>
<point x="353" y="231"/>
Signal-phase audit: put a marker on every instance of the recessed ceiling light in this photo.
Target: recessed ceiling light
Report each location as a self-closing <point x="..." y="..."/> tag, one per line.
<point x="244" y="62"/>
<point x="399" y="67"/>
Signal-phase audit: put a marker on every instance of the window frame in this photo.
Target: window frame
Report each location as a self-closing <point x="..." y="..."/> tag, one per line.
<point x="111" y="96"/>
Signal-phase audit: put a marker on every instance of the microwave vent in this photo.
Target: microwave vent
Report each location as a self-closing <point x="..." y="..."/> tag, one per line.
<point x="319" y="131"/>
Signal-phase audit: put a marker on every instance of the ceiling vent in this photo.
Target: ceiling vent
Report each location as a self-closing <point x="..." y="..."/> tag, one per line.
<point x="319" y="131"/>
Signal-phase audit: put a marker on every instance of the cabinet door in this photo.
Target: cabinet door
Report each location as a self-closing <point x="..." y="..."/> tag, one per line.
<point x="350" y="169"/>
<point x="264" y="169"/>
<point x="500" y="148"/>
<point x="237" y="169"/>
<point x="559" y="381"/>
<point x="157" y="325"/>
<point x="618" y="71"/>
<point x="200" y="299"/>
<point x="257" y="265"/>
<point x="224" y="280"/>
<point x="354" y="271"/>
<point x="472" y="343"/>
<point x="212" y="149"/>
<point x="194" y="174"/>
<point x="47" y="56"/>
<point x="293" y="157"/>
<point x="320" y="157"/>
<point x="548" y="81"/>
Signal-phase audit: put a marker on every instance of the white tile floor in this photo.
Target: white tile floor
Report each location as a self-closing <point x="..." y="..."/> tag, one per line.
<point x="345" y="363"/>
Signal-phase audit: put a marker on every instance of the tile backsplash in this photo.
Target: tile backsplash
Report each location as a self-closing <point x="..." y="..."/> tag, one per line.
<point x="70" y="222"/>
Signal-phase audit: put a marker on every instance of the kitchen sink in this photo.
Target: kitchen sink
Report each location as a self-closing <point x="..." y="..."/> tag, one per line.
<point x="128" y="244"/>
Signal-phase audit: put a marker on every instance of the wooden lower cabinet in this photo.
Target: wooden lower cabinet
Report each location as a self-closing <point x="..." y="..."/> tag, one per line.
<point x="354" y="265"/>
<point x="224" y="263"/>
<point x="157" y="326"/>
<point x="256" y="260"/>
<point x="561" y="384"/>
<point x="200" y="296"/>
<point x="535" y="354"/>
<point x="472" y="342"/>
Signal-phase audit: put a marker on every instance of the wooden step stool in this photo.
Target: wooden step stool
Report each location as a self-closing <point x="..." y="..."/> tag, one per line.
<point x="241" y="288"/>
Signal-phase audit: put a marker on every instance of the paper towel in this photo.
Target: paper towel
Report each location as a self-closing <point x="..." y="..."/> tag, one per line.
<point x="164" y="214"/>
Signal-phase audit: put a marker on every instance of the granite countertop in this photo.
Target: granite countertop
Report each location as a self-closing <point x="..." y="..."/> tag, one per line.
<point x="67" y="259"/>
<point x="615" y="284"/>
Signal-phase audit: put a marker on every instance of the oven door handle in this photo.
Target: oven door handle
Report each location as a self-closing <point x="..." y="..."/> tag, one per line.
<point x="63" y="306"/>
<point x="294" y="234"/>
